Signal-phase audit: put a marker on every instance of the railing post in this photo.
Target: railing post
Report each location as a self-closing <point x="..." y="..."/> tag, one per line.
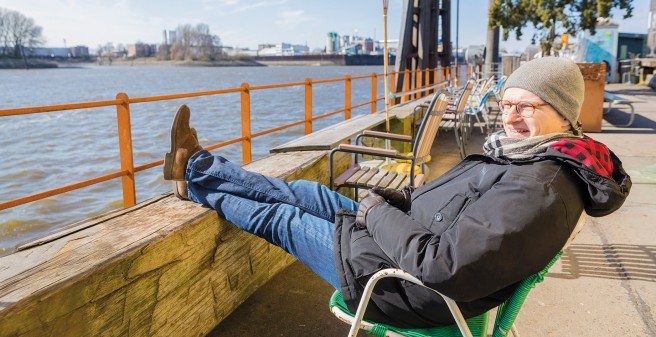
<point x="308" y="106"/>
<point x="417" y="83"/>
<point x="406" y="85"/>
<point x="374" y="92"/>
<point x="347" y="97"/>
<point x="393" y="89"/>
<point x="246" y="123"/>
<point x="450" y="75"/>
<point x="125" y="149"/>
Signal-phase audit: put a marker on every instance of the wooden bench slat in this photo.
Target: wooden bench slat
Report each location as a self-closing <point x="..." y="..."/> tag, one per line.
<point x="375" y="180"/>
<point x="419" y="179"/>
<point x="397" y="181"/>
<point x="357" y="175"/>
<point x="389" y="177"/>
<point x="367" y="176"/>
<point x="347" y="174"/>
<point x="405" y="182"/>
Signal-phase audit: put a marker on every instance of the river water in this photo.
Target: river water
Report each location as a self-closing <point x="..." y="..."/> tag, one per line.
<point x="48" y="150"/>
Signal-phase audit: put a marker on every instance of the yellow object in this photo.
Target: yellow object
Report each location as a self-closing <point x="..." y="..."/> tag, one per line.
<point x="564" y="38"/>
<point x="428" y="159"/>
<point x="401" y="168"/>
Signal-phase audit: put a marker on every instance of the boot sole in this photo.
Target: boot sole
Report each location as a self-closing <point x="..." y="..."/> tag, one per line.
<point x="176" y="191"/>
<point x="169" y="158"/>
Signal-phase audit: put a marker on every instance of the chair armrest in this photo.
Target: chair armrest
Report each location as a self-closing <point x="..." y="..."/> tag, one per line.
<point x="385" y="135"/>
<point x="361" y="150"/>
<point x="398" y="273"/>
<point x="374" y="151"/>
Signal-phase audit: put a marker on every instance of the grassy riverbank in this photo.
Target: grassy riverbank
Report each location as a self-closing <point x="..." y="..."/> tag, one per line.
<point x="142" y="61"/>
<point x="31" y="64"/>
<point x="236" y="62"/>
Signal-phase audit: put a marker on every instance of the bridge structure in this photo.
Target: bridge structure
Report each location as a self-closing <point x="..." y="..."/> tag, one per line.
<point x="424" y="41"/>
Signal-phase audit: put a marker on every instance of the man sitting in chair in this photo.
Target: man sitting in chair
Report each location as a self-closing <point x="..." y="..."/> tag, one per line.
<point x="471" y="234"/>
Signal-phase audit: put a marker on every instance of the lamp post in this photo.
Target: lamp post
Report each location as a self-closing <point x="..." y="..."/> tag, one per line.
<point x="457" y="79"/>
<point x="386" y="65"/>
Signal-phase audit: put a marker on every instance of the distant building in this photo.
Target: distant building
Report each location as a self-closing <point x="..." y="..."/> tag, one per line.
<point x="141" y="50"/>
<point x="632" y="44"/>
<point x="231" y="51"/>
<point x="265" y="46"/>
<point x="284" y="49"/>
<point x="79" y="51"/>
<point x="43" y="52"/>
<point x="351" y="45"/>
<point x="368" y="45"/>
<point x="58" y="52"/>
<point x="353" y="49"/>
<point x="332" y="43"/>
<point x="172" y="37"/>
<point x="346" y="40"/>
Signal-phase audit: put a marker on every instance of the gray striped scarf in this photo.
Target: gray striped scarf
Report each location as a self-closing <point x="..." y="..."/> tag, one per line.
<point x="501" y="146"/>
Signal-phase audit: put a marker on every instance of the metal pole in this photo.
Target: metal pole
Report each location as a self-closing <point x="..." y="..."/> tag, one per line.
<point x="457" y="79"/>
<point x="386" y="65"/>
<point x="308" y="106"/>
<point x="374" y="92"/>
<point x="125" y="149"/>
<point x="246" y="145"/>
<point x="492" y="48"/>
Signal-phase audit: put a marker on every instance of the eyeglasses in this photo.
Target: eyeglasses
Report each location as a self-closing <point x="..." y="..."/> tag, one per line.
<point x="524" y="109"/>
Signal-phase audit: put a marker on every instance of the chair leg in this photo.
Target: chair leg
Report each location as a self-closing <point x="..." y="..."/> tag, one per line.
<point x="514" y="331"/>
<point x="459" y="140"/>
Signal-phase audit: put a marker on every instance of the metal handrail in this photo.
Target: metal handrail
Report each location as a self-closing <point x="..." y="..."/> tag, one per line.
<point x="123" y="102"/>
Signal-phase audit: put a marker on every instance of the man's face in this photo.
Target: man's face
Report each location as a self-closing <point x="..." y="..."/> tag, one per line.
<point x="545" y="118"/>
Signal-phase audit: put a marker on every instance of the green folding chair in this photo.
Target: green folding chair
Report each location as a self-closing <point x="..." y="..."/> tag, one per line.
<point x="476" y="326"/>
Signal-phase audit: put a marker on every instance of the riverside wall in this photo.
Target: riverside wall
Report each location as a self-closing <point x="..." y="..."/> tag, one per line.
<point x="163" y="267"/>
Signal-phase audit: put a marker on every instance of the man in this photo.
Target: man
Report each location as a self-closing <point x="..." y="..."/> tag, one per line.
<point x="472" y="234"/>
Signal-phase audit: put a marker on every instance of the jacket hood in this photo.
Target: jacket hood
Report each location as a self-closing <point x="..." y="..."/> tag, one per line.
<point x="599" y="168"/>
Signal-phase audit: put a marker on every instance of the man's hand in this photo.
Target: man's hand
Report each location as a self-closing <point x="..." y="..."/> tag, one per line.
<point x="400" y="199"/>
<point x="368" y="203"/>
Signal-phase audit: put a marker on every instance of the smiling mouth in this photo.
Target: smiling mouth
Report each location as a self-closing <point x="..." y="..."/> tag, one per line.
<point x="519" y="131"/>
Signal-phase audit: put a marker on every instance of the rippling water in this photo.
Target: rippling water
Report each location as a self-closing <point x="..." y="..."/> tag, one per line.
<point x="48" y="150"/>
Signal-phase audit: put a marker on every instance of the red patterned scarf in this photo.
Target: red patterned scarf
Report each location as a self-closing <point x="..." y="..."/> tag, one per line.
<point x="589" y="152"/>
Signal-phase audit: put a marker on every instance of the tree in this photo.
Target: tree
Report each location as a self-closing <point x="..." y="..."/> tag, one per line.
<point x="4" y="36"/>
<point x="551" y="18"/>
<point x="195" y="43"/>
<point x="18" y="32"/>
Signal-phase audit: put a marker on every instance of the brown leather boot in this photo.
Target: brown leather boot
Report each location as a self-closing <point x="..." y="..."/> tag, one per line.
<point x="179" y="189"/>
<point x="184" y="143"/>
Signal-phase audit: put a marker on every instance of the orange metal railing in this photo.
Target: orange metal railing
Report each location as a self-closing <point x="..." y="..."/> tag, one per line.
<point x="123" y="102"/>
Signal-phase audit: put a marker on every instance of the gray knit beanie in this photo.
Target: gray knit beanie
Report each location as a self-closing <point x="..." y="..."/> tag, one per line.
<point x="558" y="81"/>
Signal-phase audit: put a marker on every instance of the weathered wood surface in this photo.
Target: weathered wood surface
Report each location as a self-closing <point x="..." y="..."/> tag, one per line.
<point x="330" y="137"/>
<point x="164" y="267"/>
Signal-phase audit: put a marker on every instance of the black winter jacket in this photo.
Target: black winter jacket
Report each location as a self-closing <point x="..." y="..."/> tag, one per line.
<point x="472" y="234"/>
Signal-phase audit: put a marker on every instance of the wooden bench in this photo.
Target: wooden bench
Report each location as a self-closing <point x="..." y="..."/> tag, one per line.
<point x="611" y="99"/>
<point x="331" y="136"/>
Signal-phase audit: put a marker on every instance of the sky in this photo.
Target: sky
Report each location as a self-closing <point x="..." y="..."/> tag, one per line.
<point x="245" y="24"/>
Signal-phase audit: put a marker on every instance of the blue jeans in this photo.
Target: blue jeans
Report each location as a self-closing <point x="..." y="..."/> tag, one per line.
<point x="298" y="216"/>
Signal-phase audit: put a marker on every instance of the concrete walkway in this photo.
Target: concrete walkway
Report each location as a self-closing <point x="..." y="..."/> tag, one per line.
<point x="604" y="285"/>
